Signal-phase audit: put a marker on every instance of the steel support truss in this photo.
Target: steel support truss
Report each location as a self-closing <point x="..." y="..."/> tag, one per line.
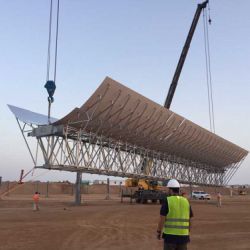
<point x="67" y="149"/>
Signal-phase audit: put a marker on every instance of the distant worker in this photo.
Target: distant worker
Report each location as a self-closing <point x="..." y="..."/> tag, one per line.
<point x="174" y="222"/>
<point x="218" y="199"/>
<point x="231" y="192"/>
<point x="36" y="201"/>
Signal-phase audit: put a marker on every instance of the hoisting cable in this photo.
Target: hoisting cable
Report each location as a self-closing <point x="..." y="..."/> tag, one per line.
<point x="49" y="41"/>
<point x="208" y="71"/>
<point x="209" y="18"/>
<point x="57" y="27"/>
<point x="207" y="77"/>
<point x="51" y="84"/>
<point x="209" y="66"/>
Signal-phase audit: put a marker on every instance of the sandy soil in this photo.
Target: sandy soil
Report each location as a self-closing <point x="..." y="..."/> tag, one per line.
<point x="109" y="224"/>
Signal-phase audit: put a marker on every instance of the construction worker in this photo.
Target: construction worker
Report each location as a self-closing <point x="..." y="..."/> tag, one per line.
<point x="174" y="222"/>
<point x="218" y="199"/>
<point x="35" y="201"/>
<point x="231" y="191"/>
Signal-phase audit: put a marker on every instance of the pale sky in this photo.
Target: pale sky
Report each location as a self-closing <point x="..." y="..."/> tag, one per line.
<point x="137" y="43"/>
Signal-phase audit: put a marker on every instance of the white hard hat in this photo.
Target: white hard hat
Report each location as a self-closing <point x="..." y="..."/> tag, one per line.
<point x="173" y="183"/>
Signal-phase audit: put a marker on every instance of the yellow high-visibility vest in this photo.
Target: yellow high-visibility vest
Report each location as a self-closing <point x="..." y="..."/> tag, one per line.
<point x="177" y="219"/>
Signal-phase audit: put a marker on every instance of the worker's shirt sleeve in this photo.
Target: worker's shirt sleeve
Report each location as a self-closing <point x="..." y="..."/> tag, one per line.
<point x="191" y="212"/>
<point x="164" y="208"/>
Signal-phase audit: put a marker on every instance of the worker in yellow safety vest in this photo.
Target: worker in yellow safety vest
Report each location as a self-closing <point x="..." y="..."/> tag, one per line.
<point x="174" y="223"/>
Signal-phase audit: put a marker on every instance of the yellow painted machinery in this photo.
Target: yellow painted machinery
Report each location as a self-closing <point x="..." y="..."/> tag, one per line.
<point x="148" y="190"/>
<point x="143" y="184"/>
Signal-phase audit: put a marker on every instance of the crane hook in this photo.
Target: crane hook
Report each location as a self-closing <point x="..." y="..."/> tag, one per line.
<point x="51" y="87"/>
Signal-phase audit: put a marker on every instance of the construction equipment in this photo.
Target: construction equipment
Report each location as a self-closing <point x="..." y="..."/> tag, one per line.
<point x="148" y="190"/>
<point x="242" y="190"/>
<point x="143" y="184"/>
<point x="184" y="52"/>
<point x="51" y="83"/>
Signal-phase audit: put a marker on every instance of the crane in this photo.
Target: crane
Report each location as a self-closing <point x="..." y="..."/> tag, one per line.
<point x="152" y="190"/>
<point x="184" y="52"/>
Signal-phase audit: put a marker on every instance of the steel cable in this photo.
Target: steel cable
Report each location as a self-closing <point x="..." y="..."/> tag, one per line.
<point x="49" y="40"/>
<point x="208" y="73"/>
<point x="57" y="27"/>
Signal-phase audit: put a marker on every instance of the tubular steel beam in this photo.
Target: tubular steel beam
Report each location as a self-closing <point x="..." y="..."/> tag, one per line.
<point x="99" y="155"/>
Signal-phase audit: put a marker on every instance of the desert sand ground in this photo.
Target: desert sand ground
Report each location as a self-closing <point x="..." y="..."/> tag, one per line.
<point x="110" y="224"/>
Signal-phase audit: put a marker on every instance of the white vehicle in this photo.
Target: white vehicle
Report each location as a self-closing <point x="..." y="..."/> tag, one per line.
<point x="201" y="195"/>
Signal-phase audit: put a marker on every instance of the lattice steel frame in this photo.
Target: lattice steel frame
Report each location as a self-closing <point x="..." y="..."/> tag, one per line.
<point x="73" y="150"/>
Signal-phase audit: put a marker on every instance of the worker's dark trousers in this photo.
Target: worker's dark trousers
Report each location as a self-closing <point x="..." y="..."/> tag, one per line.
<point x="171" y="246"/>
